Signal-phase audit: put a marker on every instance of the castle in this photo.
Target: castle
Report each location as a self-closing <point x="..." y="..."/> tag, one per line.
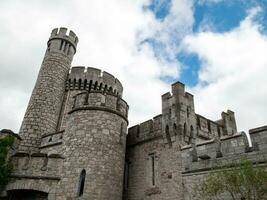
<point x="74" y="144"/>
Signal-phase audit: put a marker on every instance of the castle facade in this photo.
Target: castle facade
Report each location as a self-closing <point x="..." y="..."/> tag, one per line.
<point x="74" y="142"/>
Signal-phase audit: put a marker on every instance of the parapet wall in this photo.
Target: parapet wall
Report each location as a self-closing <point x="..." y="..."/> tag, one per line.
<point x="208" y="129"/>
<point x="61" y="33"/>
<point x="37" y="165"/>
<point x="91" y="79"/>
<point x="145" y="131"/>
<point x="97" y="100"/>
<point x="219" y="152"/>
<point x="259" y="138"/>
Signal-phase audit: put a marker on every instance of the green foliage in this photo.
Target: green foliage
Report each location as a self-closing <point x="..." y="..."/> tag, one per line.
<point x="5" y="166"/>
<point x="241" y="181"/>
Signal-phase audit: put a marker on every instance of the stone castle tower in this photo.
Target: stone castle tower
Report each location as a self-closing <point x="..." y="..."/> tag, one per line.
<point x="74" y="143"/>
<point x="74" y="127"/>
<point x="42" y="115"/>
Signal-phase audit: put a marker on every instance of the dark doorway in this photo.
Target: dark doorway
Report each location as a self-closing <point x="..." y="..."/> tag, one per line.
<point x="27" y="195"/>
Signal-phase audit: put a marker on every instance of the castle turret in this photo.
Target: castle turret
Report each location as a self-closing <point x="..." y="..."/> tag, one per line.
<point x="95" y="136"/>
<point x="178" y="114"/>
<point x="45" y="104"/>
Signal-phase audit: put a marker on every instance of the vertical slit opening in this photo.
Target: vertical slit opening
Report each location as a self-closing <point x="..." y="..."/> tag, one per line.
<point x="81" y="183"/>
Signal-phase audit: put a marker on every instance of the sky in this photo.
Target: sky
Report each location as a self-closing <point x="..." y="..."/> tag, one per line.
<point x="217" y="48"/>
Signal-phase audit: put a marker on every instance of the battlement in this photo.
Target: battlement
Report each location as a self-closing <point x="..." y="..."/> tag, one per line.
<point x="145" y="131"/>
<point x="37" y="165"/>
<point x="62" y="34"/>
<point x="93" y="79"/>
<point x="216" y="153"/>
<point x="179" y="96"/>
<point x="62" y="42"/>
<point x="97" y="100"/>
<point x="208" y="129"/>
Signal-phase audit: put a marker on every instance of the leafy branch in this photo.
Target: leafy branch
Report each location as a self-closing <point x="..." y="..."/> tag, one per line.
<point x="5" y="166"/>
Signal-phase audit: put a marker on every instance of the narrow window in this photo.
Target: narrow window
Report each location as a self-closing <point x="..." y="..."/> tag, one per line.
<point x="121" y="134"/>
<point x="168" y="136"/>
<point x="65" y="46"/>
<point x="81" y="183"/>
<point x="80" y="84"/>
<point x="185" y="133"/>
<point x="95" y="85"/>
<point x="152" y="156"/>
<point x="69" y="49"/>
<point x="90" y="85"/>
<point x="185" y="129"/>
<point x="85" y="84"/>
<point x="191" y="134"/>
<point x="100" y="86"/>
<point x="61" y="45"/>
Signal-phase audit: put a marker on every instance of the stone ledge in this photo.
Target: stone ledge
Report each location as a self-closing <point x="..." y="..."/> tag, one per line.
<point x="226" y="137"/>
<point x="57" y="178"/>
<point x="101" y="109"/>
<point x="257" y="130"/>
<point x="218" y="166"/>
<point x="50" y="145"/>
<point x="55" y="133"/>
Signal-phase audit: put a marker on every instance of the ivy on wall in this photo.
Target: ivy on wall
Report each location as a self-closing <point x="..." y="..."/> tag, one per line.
<point x="5" y="166"/>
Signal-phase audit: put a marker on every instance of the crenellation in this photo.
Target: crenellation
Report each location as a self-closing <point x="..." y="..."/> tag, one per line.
<point x="82" y="78"/>
<point x="62" y="32"/>
<point x="146" y="131"/>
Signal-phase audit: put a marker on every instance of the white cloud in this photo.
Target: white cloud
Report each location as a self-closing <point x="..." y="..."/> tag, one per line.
<point x="109" y="32"/>
<point x="233" y="72"/>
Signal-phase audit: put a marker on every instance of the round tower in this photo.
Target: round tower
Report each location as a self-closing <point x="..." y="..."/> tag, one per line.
<point x="45" y="103"/>
<point x="95" y="137"/>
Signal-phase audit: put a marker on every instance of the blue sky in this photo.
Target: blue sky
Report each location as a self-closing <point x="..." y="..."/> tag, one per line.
<point x="217" y="16"/>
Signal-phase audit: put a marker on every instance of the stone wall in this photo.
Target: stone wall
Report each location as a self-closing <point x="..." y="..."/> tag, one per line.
<point x="94" y="141"/>
<point x="153" y="171"/>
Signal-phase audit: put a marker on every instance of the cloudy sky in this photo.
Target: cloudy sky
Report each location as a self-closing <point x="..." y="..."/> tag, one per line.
<point x="218" y="48"/>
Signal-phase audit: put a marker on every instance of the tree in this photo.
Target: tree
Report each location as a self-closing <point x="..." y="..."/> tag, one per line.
<point x="5" y="166"/>
<point x="241" y="181"/>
